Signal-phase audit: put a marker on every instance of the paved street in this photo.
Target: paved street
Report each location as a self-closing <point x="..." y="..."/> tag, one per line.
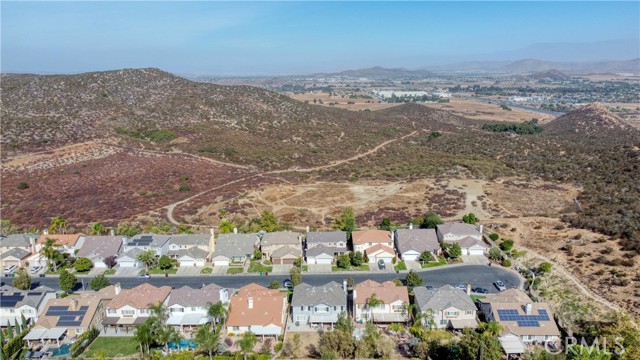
<point x="477" y="275"/>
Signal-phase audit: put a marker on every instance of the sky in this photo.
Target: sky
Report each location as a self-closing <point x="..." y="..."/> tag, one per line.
<point x="272" y="38"/>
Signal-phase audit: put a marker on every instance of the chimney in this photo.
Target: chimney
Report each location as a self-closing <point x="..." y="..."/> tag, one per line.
<point x="212" y="241"/>
<point x="112" y="232"/>
<point x="344" y="285"/>
<point x="527" y="308"/>
<point x="117" y="288"/>
<point x="307" y="229"/>
<point x="235" y="230"/>
<point x="32" y="245"/>
<point x="480" y="228"/>
<point x="410" y="226"/>
<point x="45" y="232"/>
<point x="74" y="305"/>
<point x="468" y="289"/>
<point x="250" y="302"/>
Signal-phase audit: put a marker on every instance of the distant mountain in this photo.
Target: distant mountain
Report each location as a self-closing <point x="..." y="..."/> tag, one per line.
<point x="381" y="72"/>
<point x="592" y="120"/>
<point x="550" y="75"/>
<point x="530" y="66"/>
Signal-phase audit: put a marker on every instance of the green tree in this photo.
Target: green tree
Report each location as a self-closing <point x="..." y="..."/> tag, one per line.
<point x="163" y="333"/>
<point x="274" y="284"/>
<point x="58" y="225"/>
<point x="580" y="352"/>
<point x="385" y="224"/>
<point x="97" y="229"/>
<point x="413" y="279"/>
<point x="357" y="258"/>
<point x="10" y="333"/>
<point x="470" y="219"/>
<point x="296" y="276"/>
<point x="473" y="345"/>
<point x="51" y="252"/>
<point x="454" y="251"/>
<point x="257" y="254"/>
<point x="426" y="256"/>
<point x="207" y="340"/>
<point x="495" y="254"/>
<point x="144" y="337"/>
<point x="346" y="221"/>
<point x="344" y="324"/>
<point x="494" y="236"/>
<point x="544" y="267"/>
<point x="148" y="258"/>
<point x="343" y="261"/>
<point x="67" y="281"/>
<point x="165" y="263"/>
<point x="269" y="222"/>
<point x="297" y="262"/>
<point x="22" y="280"/>
<point x="491" y="328"/>
<point x="431" y="220"/>
<point x="127" y="229"/>
<point x="226" y="227"/>
<point x="506" y="245"/>
<point x="218" y="313"/>
<point x="247" y="342"/>
<point x="99" y="282"/>
<point x="372" y="302"/>
<point x="82" y="264"/>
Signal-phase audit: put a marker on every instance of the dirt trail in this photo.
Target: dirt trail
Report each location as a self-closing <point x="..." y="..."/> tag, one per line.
<point x="170" y="208"/>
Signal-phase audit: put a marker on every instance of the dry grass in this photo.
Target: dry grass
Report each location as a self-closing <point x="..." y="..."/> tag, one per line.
<point x="342" y="102"/>
<point x="489" y="112"/>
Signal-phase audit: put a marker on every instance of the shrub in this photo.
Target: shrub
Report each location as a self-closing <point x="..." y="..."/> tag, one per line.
<point x="506" y="263"/>
<point x="160" y="135"/>
<point x="545" y="267"/>
<point x="184" y="187"/>
<point x="494" y="236"/>
<point x="82" y="264"/>
<point x="23" y="185"/>
<point x="506" y="245"/>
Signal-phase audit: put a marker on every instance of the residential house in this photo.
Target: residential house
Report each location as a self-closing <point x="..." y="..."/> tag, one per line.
<point x="379" y="252"/>
<point x="130" y="258"/>
<point x="233" y="248"/>
<point x="394" y="302"/>
<point x="468" y="236"/>
<point x="410" y="243"/>
<point x="190" y="249"/>
<point x="23" y="242"/>
<point x="257" y="309"/>
<point x="130" y="307"/>
<point x="99" y="248"/>
<point x="520" y="316"/>
<point x="364" y="239"/>
<point x="66" y="243"/>
<point x="290" y="241"/>
<point x="321" y="244"/>
<point x="318" y="305"/>
<point x="71" y="316"/>
<point x="17" y="303"/>
<point x="446" y="307"/>
<point x="188" y="307"/>
<point x="145" y="242"/>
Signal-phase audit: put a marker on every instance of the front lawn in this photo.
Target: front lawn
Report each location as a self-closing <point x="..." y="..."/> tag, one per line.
<point x="109" y="272"/>
<point x="234" y="270"/>
<point x="400" y="266"/>
<point x="440" y="262"/>
<point x="158" y="271"/>
<point x="363" y="267"/>
<point x="256" y="266"/>
<point x="113" y="346"/>
<point x="207" y="270"/>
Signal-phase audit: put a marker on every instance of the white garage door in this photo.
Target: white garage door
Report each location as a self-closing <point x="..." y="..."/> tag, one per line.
<point x="221" y="263"/>
<point x="200" y="262"/>
<point x="127" y="264"/>
<point x="186" y="263"/>
<point x="476" y="252"/>
<point x="410" y="257"/>
<point x="324" y="261"/>
<point x="311" y="260"/>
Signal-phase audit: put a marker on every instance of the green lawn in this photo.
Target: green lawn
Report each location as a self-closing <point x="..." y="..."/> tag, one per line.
<point x="112" y="346"/>
<point x="256" y="266"/>
<point x="363" y="267"/>
<point x="207" y="270"/>
<point x="109" y="272"/>
<point x="477" y="297"/>
<point x="234" y="270"/>
<point x="400" y="266"/>
<point x="158" y="271"/>
<point x="440" y="262"/>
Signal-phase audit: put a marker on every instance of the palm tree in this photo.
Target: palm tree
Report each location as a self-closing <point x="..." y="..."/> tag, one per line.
<point x="247" y="343"/>
<point x="58" y="224"/>
<point x="97" y="229"/>
<point x="218" y="312"/>
<point x="207" y="340"/>
<point x="148" y="258"/>
<point x="162" y="333"/>
<point x="51" y="252"/>
<point x="372" y="302"/>
<point x="492" y="328"/>
<point x="144" y="337"/>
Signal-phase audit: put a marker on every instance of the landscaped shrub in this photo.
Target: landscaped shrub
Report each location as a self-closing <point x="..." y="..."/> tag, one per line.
<point x="494" y="236"/>
<point x="23" y="185"/>
<point x="83" y="341"/>
<point x="506" y="263"/>
<point x="506" y="245"/>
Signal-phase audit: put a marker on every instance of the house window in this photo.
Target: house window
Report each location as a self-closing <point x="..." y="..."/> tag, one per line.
<point x="236" y="328"/>
<point x="452" y="313"/>
<point x="301" y="308"/>
<point x="112" y="311"/>
<point x="322" y="309"/>
<point x="301" y="318"/>
<point x="128" y="313"/>
<point x="342" y="308"/>
<point x="194" y="309"/>
<point x="308" y="308"/>
<point x="12" y="310"/>
<point x="398" y="308"/>
<point x="27" y="311"/>
<point x="144" y="311"/>
<point x="177" y="310"/>
<point x="79" y="331"/>
<point x="469" y="312"/>
<point x="443" y="322"/>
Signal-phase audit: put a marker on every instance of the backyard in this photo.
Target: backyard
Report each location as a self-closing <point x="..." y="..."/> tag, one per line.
<point x="112" y="346"/>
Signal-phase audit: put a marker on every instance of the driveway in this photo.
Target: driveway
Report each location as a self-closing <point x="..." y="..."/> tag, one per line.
<point x="127" y="271"/>
<point x="282" y="269"/>
<point x="220" y="269"/>
<point x="319" y="268"/>
<point x="189" y="270"/>
<point x="475" y="259"/>
<point x="413" y="265"/>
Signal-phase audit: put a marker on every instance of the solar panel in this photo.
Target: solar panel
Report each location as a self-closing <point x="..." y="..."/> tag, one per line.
<point x="59" y="308"/>
<point x="523" y="320"/>
<point x="11" y="300"/>
<point x="34" y="293"/>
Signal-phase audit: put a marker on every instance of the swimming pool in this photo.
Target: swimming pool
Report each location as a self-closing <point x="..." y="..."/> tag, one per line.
<point x="183" y="344"/>
<point x="62" y="350"/>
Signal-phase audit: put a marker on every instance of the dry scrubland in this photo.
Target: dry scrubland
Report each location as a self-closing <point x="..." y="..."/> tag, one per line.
<point x="489" y="112"/>
<point x="339" y="102"/>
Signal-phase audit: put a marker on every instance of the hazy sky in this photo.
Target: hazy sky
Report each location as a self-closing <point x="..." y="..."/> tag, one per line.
<point x="302" y="37"/>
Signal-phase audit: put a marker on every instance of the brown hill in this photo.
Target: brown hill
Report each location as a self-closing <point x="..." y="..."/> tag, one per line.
<point x="592" y="120"/>
<point x="550" y="75"/>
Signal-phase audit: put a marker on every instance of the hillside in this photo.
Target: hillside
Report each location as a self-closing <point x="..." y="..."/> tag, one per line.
<point x="592" y="120"/>
<point x="535" y="65"/>
<point x="550" y="75"/>
<point x="156" y="109"/>
<point x="381" y="72"/>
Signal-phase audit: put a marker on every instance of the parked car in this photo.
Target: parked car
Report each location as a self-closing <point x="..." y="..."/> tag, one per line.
<point x="35" y="269"/>
<point x="500" y="285"/>
<point x="480" y="290"/>
<point x="10" y="269"/>
<point x="287" y="284"/>
<point x="429" y="287"/>
<point x="460" y="286"/>
<point x="381" y="264"/>
<point x="143" y="276"/>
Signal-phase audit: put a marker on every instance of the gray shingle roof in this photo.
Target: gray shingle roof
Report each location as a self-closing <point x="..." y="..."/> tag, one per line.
<point x="442" y="298"/>
<point x="419" y="240"/>
<point x="468" y="242"/>
<point x="190" y="297"/>
<point x="459" y="229"/>
<point x="321" y="249"/>
<point x="15" y="252"/>
<point x="190" y="239"/>
<point x="18" y="240"/>
<point x="235" y="245"/>
<point x="286" y="250"/>
<point x="326" y="237"/>
<point x="31" y="298"/>
<point x="194" y="253"/>
<point x="281" y="237"/>
<point x="156" y="239"/>
<point x="102" y="246"/>
<point x="133" y="253"/>
<point x="331" y="294"/>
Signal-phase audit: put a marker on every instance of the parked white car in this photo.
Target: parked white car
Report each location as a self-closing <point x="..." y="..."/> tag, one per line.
<point x="10" y="269"/>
